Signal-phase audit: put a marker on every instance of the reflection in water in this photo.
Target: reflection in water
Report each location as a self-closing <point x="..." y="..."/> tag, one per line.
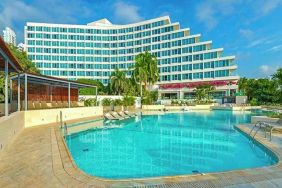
<point x="169" y="144"/>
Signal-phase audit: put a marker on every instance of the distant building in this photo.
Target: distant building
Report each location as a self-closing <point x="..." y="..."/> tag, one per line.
<point x="95" y="50"/>
<point x="9" y="36"/>
<point x="21" y="46"/>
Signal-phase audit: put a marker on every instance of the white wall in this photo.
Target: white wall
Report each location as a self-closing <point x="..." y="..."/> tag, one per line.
<point x="12" y="125"/>
<point x="99" y="97"/>
<point x="39" y="117"/>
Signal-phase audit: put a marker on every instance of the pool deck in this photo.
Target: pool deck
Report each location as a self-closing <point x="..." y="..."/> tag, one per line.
<point x="38" y="158"/>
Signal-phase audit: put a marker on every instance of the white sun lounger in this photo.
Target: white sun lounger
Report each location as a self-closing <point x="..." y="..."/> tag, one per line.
<point x="122" y="114"/>
<point x="110" y="117"/>
<point x="116" y="115"/>
<point x="130" y="114"/>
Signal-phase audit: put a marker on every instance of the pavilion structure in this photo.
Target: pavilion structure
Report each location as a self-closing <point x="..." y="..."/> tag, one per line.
<point x="8" y="64"/>
<point x="33" y="88"/>
<point x="26" y="87"/>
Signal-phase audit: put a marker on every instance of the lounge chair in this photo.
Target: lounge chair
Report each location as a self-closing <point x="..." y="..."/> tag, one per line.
<point x="54" y="104"/>
<point x="30" y="105"/>
<point x="130" y="114"/>
<point x="110" y="117"/>
<point x="44" y="105"/>
<point x="65" y="104"/>
<point x="74" y="104"/>
<point x="122" y="114"/>
<point x="116" y="115"/>
<point x="60" y="104"/>
<point x="37" y="105"/>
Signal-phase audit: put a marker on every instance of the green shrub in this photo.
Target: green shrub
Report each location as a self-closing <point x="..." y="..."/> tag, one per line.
<point x="117" y="102"/>
<point x="106" y="102"/>
<point x="150" y="97"/>
<point x="90" y="102"/>
<point x="128" y="101"/>
<point x="253" y="102"/>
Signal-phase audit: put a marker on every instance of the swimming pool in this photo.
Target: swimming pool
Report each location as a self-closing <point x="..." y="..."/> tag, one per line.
<point x="167" y="145"/>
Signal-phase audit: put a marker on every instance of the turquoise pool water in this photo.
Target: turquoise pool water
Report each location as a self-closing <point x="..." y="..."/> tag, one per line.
<point x="167" y="145"/>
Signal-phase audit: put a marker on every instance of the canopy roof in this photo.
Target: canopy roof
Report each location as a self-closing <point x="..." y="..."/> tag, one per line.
<point x="6" y="54"/>
<point x="48" y="80"/>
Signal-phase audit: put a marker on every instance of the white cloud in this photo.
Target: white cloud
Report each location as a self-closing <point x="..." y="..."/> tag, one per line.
<point x="267" y="70"/>
<point x="257" y="42"/>
<point x="268" y="5"/>
<point x="246" y="33"/>
<point x="209" y="12"/>
<point x="275" y="48"/>
<point x="126" y="13"/>
<point x="15" y="13"/>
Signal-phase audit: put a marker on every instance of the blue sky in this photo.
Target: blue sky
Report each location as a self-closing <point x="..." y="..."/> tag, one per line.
<point x="249" y="29"/>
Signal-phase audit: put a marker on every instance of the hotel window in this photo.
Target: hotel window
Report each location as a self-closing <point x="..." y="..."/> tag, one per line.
<point x="198" y="75"/>
<point x="176" y="68"/>
<point x="39" y="65"/>
<point x="47" y="72"/>
<point x="187" y="76"/>
<point x="221" y="73"/>
<point x="166" y="45"/>
<point x="188" y="41"/>
<point x="31" y="42"/>
<point x="198" y="57"/>
<point x="176" y="51"/>
<point x="187" y="50"/>
<point x="197" y="66"/>
<point x="176" y="43"/>
<point x="176" y="77"/>
<point x="30" y="35"/>
<point x="38" y="28"/>
<point x="156" y="39"/>
<point x="209" y="74"/>
<point x="38" y="35"/>
<point x="30" y="28"/>
<point x="210" y="55"/>
<point x="187" y="67"/>
<point x="146" y="48"/>
<point x="165" y="78"/>
<point x="187" y="58"/>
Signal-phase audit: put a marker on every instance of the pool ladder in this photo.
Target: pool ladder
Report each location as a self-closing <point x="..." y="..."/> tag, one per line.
<point x="259" y="126"/>
<point x="64" y="126"/>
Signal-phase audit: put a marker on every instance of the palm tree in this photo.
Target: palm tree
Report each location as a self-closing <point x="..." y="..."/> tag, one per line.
<point x="146" y="69"/>
<point x="278" y="76"/>
<point x="118" y="81"/>
<point x="202" y="92"/>
<point x="243" y="85"/>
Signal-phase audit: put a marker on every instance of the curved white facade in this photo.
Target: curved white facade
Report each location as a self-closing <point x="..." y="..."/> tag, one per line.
<point x="96" y="49"/>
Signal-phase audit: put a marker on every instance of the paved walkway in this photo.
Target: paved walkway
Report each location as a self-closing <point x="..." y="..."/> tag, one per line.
<point x="38" y="158"/>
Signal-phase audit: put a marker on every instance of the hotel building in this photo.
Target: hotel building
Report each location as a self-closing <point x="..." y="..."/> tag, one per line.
<point x="94" y="50"/>
<point x="9" y="36"/>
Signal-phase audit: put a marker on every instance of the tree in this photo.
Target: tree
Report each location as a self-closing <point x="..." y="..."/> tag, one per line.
<point x="278" y="76"/>
<point x="145" y="69"/>
<point x="91" y="91"/>
<point x="203" y="92"/>
<point x="118" y="82"/>
<point x="21" y="56"/>
<point x="243" y="84"/>
<point x="25" y="63"/>
<point x="262" y="90"/>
